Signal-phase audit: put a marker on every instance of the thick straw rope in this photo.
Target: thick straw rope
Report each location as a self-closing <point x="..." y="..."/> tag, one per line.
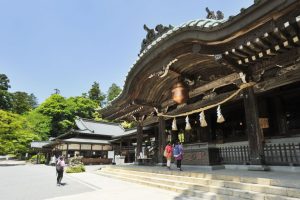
<point x="243" y="86"/>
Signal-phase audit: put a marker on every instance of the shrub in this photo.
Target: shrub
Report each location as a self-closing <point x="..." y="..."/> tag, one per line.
<point x="75" y="169"/>
<point x="75" y="161"/>
<point x="41" y="157"/>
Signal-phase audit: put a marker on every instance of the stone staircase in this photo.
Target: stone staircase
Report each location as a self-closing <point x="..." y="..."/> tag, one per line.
<point x="207" y="186"/>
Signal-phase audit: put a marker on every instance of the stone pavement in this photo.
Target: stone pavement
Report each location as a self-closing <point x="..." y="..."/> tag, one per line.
<point x="112" y="189"/>
<point x="35" y="182"/>
<point x="38" y="182"/>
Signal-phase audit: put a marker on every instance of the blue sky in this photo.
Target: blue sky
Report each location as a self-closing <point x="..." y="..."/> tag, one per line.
<point x="69" y="44"/>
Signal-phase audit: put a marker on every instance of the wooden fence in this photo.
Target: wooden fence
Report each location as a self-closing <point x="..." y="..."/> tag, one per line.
<point x="274" y="154"/>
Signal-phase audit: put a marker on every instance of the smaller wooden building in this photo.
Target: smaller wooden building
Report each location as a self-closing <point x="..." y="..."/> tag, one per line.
<point x="92" y="140"/>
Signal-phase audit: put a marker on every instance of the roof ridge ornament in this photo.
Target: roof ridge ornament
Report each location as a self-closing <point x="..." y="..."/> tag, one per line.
<point x="211" y="14"/>
<point x="152" y="34"/>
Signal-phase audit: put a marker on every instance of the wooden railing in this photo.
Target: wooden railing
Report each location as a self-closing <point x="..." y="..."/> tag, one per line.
<point x="274" y="154"/>
<point x="282" y="154"/>
<point x="234" y="155"/>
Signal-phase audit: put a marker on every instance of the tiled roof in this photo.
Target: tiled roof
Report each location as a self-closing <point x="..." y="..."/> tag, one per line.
<point x="87" y="141"/>
<point x="38" y="144"/>
<point x="98" y="128"/>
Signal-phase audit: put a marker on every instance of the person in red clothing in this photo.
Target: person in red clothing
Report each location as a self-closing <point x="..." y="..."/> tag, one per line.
<point x="168" y="154"/>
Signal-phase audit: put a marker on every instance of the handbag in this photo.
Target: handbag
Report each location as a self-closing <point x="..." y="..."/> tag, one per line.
<point x="165" y="153"/>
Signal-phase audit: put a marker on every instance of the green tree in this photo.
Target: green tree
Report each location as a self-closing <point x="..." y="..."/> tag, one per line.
<point x="55" y="108"/>
<point x="15" y="134"/>
<point x="113" y="92"/>
<point x="96" y="95"/>
<point x="38" y="123"/>
<point x="5" y="96"/>
<point x="23" y="102"/>
<point x="81" y="106"/>
<point x="5" y="100"/>
<point x="63" y="111"/>
<point x="4" y="82"/>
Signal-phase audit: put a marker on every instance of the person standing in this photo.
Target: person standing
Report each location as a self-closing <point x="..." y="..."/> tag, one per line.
<point x="60" y="165"/>
<point x="168" y="154"/>
<point x="178" y="154"/>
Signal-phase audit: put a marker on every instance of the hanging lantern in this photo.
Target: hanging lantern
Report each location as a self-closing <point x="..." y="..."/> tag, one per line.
<point x="174" y="125"/>
<point x="220" y="118"/>
<point x="180" y="93"/>
<point x="202" y="119"/>
<point x="187" y="124"/>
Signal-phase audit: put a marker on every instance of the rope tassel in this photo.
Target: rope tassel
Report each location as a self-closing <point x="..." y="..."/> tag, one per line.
<point x="187" y="125"/>
<point x="203" y="122"/>
<point x="174" y="125"/>
<point x="220" y="118"/>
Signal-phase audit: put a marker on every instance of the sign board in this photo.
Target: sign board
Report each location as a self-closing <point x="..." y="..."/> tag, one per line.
<point x="111" y="154"/>
<point x="264" y="122"/>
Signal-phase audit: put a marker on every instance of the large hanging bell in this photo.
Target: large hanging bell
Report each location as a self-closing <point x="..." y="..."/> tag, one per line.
<point x="180" y="93"/>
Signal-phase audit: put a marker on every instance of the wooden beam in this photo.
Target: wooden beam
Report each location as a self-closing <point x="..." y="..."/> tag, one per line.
<point x="246" y="51"/>
<point x="261" y="44"/>
<point x="290" y="30"/>
<point x="202" y="103"/>
<point x="228" y="62"/>
<point x="229" y="79"/>
<point x="140" y="102"/>
<point x="285" y="58"/>
<point x="253" y="47"/>
<point x="296" y="40"/>
<point x="287" y="78"/>
<point x="279" y="34"/>
<point x="238" y="53"/>
<point x="298" y="21"/>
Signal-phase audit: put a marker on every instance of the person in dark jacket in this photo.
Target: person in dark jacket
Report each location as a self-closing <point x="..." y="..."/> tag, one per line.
<point x="60" y="165"/>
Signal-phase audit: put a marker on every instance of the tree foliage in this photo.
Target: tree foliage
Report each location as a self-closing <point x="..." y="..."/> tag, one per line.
<point x="113" y="92"/>
<point x="5" y="96"/>
<point x="23" y="102"/>
<point x="96" y="95"/>
<point x="5" y="100"/>
<point x="63" y="111"/>
<point x="4" y="82"/>
<point x="127" y="125"/>
<point x="17" y="131"/>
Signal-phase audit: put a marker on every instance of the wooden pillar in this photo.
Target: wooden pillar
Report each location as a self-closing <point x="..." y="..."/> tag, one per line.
<point x="280" y="117"/>
<point x="161" y="139"/>
<point x="254" y="132"/>
<point x="120" y="146"/>
<point x="139" y="138"/>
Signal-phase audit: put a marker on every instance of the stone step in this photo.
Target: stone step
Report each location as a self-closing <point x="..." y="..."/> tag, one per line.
<point x="243" y="179"/>
<point x="261" y="181"/>
<point x="194" y="192"/>
<point x="209" y="185"/>
<point x="194" y="186"/>
<point x="186" y="192"/>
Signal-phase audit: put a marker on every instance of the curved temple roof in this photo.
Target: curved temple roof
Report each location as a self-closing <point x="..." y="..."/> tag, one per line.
<point x="209" y="31"/>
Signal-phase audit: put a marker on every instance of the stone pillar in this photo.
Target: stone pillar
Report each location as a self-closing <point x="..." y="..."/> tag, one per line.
<point x="254" y="132"/>
<point x="139" y="139"/>
<point x="161" y="140"/>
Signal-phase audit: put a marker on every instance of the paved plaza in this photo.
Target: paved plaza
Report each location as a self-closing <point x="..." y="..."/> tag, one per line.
<point x="38" y="182"/>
